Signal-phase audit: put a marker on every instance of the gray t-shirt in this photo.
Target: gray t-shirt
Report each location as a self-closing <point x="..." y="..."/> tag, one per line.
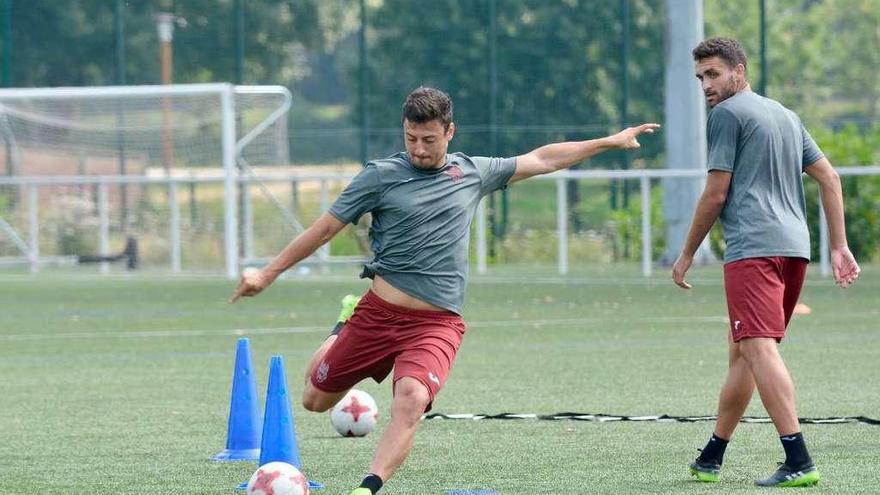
<point x="766" y="148"/>
<point x="421" y="220"/>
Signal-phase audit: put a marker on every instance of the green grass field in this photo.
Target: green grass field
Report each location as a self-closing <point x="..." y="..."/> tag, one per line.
<point x="121" y="384"/>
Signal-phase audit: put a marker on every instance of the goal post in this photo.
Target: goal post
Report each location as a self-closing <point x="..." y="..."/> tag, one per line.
<point x="136" y="137"/>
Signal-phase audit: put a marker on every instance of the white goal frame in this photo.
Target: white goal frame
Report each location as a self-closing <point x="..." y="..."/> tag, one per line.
<point x="231" y="149"/>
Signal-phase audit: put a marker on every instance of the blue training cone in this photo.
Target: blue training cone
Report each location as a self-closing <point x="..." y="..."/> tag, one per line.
<point x="243" y="431"/>
<point x="279" y="432"/>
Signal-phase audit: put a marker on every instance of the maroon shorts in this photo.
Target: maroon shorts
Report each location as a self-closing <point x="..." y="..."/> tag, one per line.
<point x="761" y="295"/>
<point x="380" y="336"/>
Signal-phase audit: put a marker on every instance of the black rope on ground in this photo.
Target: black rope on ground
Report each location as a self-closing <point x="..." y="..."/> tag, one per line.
<point x="601" y="418"/>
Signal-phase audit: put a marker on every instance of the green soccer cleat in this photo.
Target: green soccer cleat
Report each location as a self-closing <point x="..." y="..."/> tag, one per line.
<point x="349" y="302"/>
<point x="361" y="490"/>
<point x="705" y="471"/>
<point x="788" y="477"/>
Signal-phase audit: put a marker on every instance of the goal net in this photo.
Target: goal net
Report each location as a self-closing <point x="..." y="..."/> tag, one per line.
<point x="177" y="168"/>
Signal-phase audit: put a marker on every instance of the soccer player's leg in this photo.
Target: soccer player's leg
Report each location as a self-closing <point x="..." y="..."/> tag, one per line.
<point x="777" y="394"/>
<point x="349" y="303"/>
<point x="732" y="403"/>
<point x="736" y="393"/>
<point x="344" y="359"/>
<point x="772" y="289"/>
<point x="420" y="371"/>
<point x="411" y="399"/>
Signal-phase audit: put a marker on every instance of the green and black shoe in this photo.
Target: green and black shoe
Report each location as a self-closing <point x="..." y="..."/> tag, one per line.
<point x="707" y="472"/>
<point x="786" y="476"/>
<point x="349" y="303"/>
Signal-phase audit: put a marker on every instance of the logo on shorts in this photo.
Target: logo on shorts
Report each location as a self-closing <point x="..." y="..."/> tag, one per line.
<point x="321" y="374"/>
<point x="434" y="378"/>
<point x="736" y="324"/>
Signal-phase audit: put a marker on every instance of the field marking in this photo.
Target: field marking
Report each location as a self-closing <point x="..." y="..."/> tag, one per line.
<point x="604" y="418"/>
<point x="148" y="334"/>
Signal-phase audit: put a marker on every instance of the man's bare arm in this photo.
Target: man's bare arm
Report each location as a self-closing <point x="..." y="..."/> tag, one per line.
<point x="843" y="263"/>
<point x="708" y="209"/>
<point x="557" y="156"/>
<point x="322" y="231"/>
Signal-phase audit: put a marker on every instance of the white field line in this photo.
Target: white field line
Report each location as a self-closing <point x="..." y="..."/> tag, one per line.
<point x="290" y="277"/>
<point x="152" y="334"/>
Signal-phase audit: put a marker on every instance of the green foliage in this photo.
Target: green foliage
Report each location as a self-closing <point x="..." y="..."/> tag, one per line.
<point x="6" y="199"/>
<point x="559" y="69"/>
<point x="852" y="146"/>
<point x="72" y="43"/>
<point x="627" y="223"/>
<point x="73" y="227"/>
<point x="822" y="54"/>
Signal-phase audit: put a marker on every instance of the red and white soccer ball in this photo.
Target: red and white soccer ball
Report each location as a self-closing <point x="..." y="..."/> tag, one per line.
<point x="277" y="478"/>
<point x="355" y="415"/>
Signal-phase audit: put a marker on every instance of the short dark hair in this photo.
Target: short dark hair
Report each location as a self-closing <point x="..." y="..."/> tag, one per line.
<point x="426" y="104"/>
<point x="727" y="49"/>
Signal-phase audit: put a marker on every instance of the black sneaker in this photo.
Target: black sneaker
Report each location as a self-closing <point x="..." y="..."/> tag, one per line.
<point x="707" y="472"/>
<point x="786" y="476"/>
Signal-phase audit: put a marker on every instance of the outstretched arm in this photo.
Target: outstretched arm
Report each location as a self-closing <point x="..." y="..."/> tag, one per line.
<point x="709" y="207"/>
<point x="843" y="263"/>
<point x="325" y="228"/>
<point x="558" y="156"/>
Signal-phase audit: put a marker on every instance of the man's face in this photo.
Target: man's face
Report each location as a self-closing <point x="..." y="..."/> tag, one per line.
<point x="719" y="80"/>
<point x="427" y="143"/>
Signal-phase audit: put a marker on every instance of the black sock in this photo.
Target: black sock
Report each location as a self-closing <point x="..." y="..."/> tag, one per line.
<point x="796" y="455"/>
<point x="713" y="452"/>
<point x="372" y="482"/>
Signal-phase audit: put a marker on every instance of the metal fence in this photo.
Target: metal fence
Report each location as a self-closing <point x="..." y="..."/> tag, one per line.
<point x="521" y="72"/>
<point x="30" y="247"/>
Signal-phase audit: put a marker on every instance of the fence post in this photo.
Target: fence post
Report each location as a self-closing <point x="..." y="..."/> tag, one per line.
<point x="824" y="264"/>
<point x="481" y="237"/>
<point x="104" y="225"/>
<point x="230" y="219"/>
<point x="562" y="224"/>
<point x="646" y="225"/>
<point x="34" y="222"/>
<point x="324" y="251"/>
<point x="247" y="216"/>
<point x="174" y="235"/>
<point x="294" y="197"/>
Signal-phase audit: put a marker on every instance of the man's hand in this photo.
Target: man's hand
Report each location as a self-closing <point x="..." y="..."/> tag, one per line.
<point x="627" y="139"/>
<point x="252" y="283"/>
<point x="844" y="266"/>
<point x="680" y="268"/>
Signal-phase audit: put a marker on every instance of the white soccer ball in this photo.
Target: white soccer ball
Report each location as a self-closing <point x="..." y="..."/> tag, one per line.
<point x="277" y="478"/>
<point x="355" y="415"/>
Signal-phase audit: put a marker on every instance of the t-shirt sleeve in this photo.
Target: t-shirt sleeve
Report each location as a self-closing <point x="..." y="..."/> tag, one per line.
<point x="812" y="153"/>
<point x="361" y="196"/>
<point x="722" y="132"/>
<point x="494" y="172"/>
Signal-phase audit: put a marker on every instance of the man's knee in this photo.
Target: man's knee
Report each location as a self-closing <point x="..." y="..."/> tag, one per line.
<point x="314" y="404"/>
<point x="411" y="397"/>
<point x="315" y="400"/>
<point x="758" y="349"/>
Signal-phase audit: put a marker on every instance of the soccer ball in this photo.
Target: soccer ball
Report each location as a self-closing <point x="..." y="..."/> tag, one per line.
<point x="277" y="478"/>
<point x="355" y="415"/>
